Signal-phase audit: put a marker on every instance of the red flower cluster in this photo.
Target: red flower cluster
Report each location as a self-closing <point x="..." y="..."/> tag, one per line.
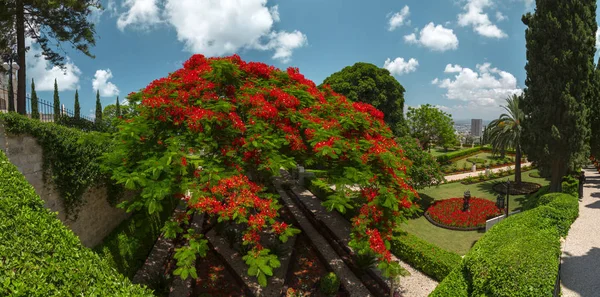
<point x="450" y="212"/>
<point x="377" y="245"/>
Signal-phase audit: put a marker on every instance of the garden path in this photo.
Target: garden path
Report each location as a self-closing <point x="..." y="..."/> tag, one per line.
<point x="475" y="174"/>
<point x="581" y="251"/>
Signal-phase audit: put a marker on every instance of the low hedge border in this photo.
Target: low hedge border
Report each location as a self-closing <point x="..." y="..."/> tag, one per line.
<point x="127" y="246"/>
<point x="39" y="256"/>
<point x="518" y="256"/>
<point x="424" y="256"/>
<point x="443" y="159"/>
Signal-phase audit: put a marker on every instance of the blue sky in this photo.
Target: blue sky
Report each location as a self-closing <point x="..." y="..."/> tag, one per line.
<point x="464" y="55"/>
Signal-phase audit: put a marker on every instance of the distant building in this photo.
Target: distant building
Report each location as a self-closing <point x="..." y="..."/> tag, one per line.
<point x="476" y="127"/>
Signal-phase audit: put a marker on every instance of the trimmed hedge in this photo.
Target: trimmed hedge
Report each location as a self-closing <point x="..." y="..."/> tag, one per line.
<point x="517" y="257"/>
<point x="127" y="246"/>
<point x="424" y="256"/>
<point x="39" y="256"/>
<point x="443" y="159"/>
<point x="570" y="185"/>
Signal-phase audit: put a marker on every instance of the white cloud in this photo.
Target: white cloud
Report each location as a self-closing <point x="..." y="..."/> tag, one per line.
<point x="436" y="38"/>
<point x="480" y="21"/>
<point x="529" y="4"/>
<point x="500" y="17"/>
<point x="399" y="18"/>
<point x="140" y="14"/>
<point x="399" y="66"/>
<point x="485" y="87"/>
<point x="95" y="15"/>
<point x="44" y="73"/>
<point x="216" y="28"/>
<point x="101" y="83"/>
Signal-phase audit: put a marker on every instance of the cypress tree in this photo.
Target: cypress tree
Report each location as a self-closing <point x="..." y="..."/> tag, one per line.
<point x="98" y="119"/>
<point x="77" y="108"/>
<point x="57" y="110"/>
<point x="118" y="108"/>
<point x="594" y="115"/>
<point x="35" y="111"/>
<point x="560" y="51"/>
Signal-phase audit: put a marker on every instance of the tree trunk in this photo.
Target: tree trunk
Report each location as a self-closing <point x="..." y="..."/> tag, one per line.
<point x="21" y="59"/>
<point x="518" y="165"/>
<point x="557" y="173"/>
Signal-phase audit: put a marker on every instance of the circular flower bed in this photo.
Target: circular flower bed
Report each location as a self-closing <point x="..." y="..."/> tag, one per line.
<point x="449" y="213"/>
<point x="522" y="189"/>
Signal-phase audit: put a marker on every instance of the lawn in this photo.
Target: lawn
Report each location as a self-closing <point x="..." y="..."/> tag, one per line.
<point x="437" y="151"/>
<point x="459" y="241"/>
<point x="480" y="158"/>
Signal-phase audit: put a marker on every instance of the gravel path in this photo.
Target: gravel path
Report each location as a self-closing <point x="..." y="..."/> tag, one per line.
<point x="475" y="174"/>
<point x="580" y="270"/>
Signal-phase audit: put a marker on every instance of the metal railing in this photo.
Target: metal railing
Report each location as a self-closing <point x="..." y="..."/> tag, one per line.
<point x="45" y="109"/>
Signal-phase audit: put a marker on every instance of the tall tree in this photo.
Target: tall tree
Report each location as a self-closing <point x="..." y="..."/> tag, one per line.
<point x="77" y="107"/>
<point x="430" y="126"/>
<point x="560" y="50"/>
<point x="505" y="132"/>
<point x="118" y="108"/>
<point x="98" y="108"/>
<point x="49" y="23"/>
<point x="57" y="110"/>
<point x="594" y="114"/>
<point x="35" y="110"/>
<point x="364" y="82"/>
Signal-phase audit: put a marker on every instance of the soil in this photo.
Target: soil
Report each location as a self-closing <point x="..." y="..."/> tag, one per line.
<point x="522" y="189"/>
<point x="214" y="279"/>
<point x="305" y="270"/>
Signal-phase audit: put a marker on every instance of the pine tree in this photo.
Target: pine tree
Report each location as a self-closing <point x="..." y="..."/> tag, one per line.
<point x="57" y="111"/>
<point x="77" y="108"/>
<point x="98" y="119"/>
<point x="35" y="111"/>
<point x="560" y="50"/>
<point x="118" y="108"/>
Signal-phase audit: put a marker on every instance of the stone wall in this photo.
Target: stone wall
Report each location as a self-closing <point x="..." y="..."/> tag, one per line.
<point x="96" y="218"/>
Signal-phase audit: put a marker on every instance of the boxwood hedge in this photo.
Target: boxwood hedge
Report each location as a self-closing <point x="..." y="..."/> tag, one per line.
<point x="517" y="257"/>
<point x="443" y="159"/>
<point x="39" y="256"/>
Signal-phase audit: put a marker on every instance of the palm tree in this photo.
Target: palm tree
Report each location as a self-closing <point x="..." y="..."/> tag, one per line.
<point x="505" y="132"/>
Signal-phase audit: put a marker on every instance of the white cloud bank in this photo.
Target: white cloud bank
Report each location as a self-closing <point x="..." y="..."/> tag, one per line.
<point x="101" y="83"/>
<point x="44" y="73"/>
<point x="399" y="66"/>
<point x="216" y="28"/>
<point x="400" y="18"/>
<point x="480" y="21"/>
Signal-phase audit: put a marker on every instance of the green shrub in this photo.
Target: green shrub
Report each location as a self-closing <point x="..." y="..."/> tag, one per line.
<point x="532" y="200"/>
<point x="446" y="158"/>
<point x="70" y="155"/>
<point x="570" y="185"/>
<point x="517" y="257"/>
<point x="40" y="256"/>
<point x="127" y="246"/>
<point x="424" y="256"/>
<point x="329" y="284"/>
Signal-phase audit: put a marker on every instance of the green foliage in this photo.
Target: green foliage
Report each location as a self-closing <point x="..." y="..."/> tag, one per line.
<point x="35" y="112"/>
<point x="261" y="264"/>
<point x="329" y="284"/>
<point x="118" y="108"/>
<point x="42" y="257"/>
<point x="425" y="171"/>
<point x="570" y="185"/>
<point x="77" y="108"/>
<point x="431" y="126"/>
<point x="444" y="159"/>
<point x="424" y="256"/>
<point x="127" y="246"/>
<point x="69" y="156"/>
<point x="517" y="257"/>
<point x="57" y="111"/>
<point x="559" y="82"/>
<point x="98" y="118"/>
<point x="81" y="124"/>
<point x="364" y="82"/>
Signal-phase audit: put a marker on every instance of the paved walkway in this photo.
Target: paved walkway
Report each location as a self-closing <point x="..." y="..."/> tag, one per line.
<point x="475" y="174"/>
<point x="580" y="271"/>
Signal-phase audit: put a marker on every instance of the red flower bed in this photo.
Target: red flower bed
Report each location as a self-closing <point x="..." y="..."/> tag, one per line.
<point x="449" y="212"/>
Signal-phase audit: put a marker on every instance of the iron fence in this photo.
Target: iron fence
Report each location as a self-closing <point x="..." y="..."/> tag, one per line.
<point x="45" y="109"/>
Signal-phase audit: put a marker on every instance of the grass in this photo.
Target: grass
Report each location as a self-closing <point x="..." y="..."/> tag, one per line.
<point x="460" y="241"/>
<point x="437" y="151"/>
<point x="479" y="158"/>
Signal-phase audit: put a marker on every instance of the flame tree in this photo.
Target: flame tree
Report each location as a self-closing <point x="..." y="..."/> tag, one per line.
<point x="214" y="132"/>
